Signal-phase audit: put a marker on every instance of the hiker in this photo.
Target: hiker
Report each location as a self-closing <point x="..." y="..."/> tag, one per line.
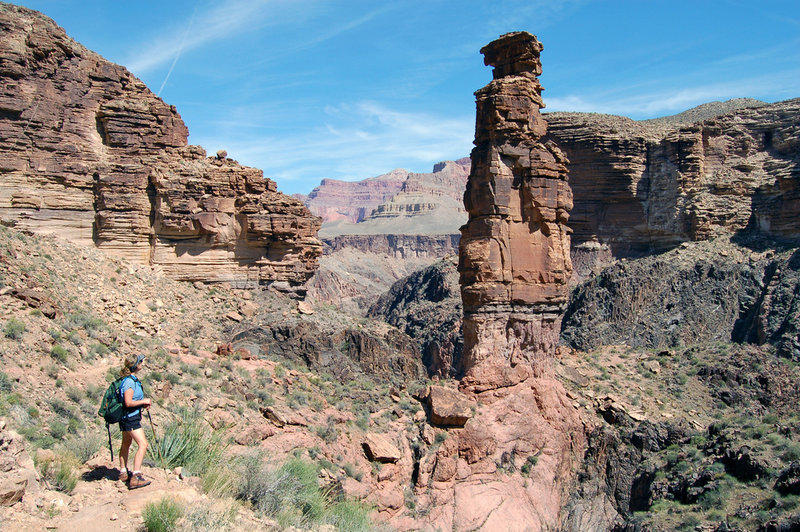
<point x="131" y="423"/>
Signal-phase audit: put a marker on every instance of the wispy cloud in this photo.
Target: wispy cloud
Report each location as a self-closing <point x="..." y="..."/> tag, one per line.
<point x="231" y="18"/>
<point x="668" y="99"/>
<point x="234" y="18"/>
<point x="354" y="141"/>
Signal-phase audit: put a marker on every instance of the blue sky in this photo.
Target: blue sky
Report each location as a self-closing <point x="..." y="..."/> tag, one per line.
<point x="348" y="89"/>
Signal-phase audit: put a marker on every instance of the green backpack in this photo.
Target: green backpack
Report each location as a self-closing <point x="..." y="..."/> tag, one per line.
<point x="112" y="409"/>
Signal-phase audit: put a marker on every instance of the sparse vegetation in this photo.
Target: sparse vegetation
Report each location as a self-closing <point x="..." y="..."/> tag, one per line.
<point x="162" y="516"/>
<point x="14" y="329"/>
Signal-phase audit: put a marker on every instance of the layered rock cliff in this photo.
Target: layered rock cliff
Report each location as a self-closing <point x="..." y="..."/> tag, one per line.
<point x="646" y="186"/>
<point x="89" y="153"/>
<point x="514" y="251"/>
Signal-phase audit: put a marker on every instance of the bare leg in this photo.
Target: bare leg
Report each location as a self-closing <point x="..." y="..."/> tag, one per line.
<point x="141" y="442"/>
<point x="123" y="450"/>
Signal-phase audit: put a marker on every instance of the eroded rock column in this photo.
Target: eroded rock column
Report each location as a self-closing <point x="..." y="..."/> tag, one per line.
<point x="514" y="253"/>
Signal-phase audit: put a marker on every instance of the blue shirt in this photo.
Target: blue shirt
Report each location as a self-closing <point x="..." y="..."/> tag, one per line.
<point x="132" y="383"/>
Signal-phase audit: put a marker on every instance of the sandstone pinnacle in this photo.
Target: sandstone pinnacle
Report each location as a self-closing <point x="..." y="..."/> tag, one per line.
<point x="514" y="251"/>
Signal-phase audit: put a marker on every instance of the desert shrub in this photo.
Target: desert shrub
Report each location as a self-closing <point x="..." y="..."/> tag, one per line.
<point x="14" y="329"/>
<point x="5" y="382"/>
<point x="190" y="442"/>
<point x="289" y="494"/>
<point x="351" y="471"/>
<point x="530" y="462"/>
<point x="84" y="320"/>
<point x="329" y="433"/>
<point x="59" y="472"/>
<point x="57" y="429"/>
<point x="161" y="516"/>
<point x="792" y="452"/>
<point x="59" y="353"/>
<point x="97" y="349"/>
<point x="74" y="338"/>
<point x="84" y="446"/>
<point x="75" y="394"/>
<point x="363" y="420"/>
<point x="349" y="515"/>
<point x="209" y="518"/>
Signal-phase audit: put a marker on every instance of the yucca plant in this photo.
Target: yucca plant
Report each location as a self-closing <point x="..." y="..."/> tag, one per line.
<point x="190" y="442"/>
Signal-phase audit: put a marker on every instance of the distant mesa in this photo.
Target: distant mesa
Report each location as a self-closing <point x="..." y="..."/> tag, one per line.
<point x="400" y="202"/>
<point x="91" y="154"/>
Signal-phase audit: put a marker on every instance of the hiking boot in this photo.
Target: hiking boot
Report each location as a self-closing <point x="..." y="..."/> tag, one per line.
<point x="124" y="476"/>
<point x="137" y="481"/>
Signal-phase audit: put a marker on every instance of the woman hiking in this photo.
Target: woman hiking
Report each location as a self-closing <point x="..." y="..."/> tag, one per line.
<point x="131" y="424"/>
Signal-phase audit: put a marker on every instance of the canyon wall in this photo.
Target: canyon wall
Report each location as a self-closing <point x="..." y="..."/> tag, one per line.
<point x="646" y="186"/>
<point x="90" y="154"/>
<point x="396" y="246"/>
<point x="514" y="257"/>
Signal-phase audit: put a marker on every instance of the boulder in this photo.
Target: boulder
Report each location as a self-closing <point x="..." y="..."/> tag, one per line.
<point x="448" y="407"/>
<point x="379" y="449"/>
<point x="789" y="480"/>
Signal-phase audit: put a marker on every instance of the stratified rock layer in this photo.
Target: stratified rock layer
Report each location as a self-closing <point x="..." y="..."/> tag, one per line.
<point x="646" y="186"/>
<point x="514" y="251"/>
<point x="89" y="153"/>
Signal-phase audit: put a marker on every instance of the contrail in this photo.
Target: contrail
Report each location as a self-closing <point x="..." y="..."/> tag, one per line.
<point x="178" y="53"/>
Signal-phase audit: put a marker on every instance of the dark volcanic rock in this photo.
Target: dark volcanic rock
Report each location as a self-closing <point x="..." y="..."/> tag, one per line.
<point x="427" y="306"/>
<point x="90" y="154"/>
<point x="700" y="292"/>
<point x="789" y="480"/>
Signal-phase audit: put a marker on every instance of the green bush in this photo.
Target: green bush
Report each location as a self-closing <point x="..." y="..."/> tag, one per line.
<point x="161" y="516"/>
<point x="14" y="329"/>
<point x="65" y="478"/>
<point x="59" y="353"/>
<point x="291" y="495"/>
<point x="57" y="429"/>
<point x="349" y="516"/>
<point x="288" y="494"/>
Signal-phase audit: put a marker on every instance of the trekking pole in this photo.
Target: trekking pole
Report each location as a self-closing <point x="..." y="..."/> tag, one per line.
<point x="158" y="446"/>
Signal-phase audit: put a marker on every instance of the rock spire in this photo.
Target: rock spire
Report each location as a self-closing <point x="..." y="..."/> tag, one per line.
<point x="514" y="260"/>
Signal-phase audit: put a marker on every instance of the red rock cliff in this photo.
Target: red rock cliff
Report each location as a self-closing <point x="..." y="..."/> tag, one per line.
<point x="514" y="250"/>
<point x="89" y="153"/>
<point x="646" y="186"/>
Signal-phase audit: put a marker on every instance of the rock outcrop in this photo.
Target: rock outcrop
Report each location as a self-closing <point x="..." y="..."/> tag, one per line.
<point x="396" y="246"/>
<point x="514" y="267"/>
<point x="90" y="154"/>
<point x="646" y="186"/>
<point x="514" y="251"/>
<point x="701" y="292"/>
<point x="426" y="305"/>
